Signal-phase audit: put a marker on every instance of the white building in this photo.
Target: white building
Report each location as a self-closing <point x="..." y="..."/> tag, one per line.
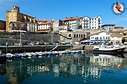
<point x="32" y="27"/>
<point x="44" y="24"/>
<point x="56" y="25"/>
<point x="100" y="36"/>
<point x="72" y="22"/>
<point x="91" y="23"/>
<point x="108" y="27"/>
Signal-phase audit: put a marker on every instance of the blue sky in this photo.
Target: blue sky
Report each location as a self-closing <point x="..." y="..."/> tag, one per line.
<point x="59" y="9"/>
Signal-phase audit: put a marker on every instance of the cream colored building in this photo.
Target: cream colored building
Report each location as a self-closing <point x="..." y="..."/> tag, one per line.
<point x="14" y="15"/>
<point x="116" y="35"/>
<point x="72" y="22"/>
<point x="45" y="25"/>
<point x="72" y="37"/>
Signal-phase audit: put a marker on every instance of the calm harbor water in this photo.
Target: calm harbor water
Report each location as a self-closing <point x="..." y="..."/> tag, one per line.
<point x="66" y="69"/>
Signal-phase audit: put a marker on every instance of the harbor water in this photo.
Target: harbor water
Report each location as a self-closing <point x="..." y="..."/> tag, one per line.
<point x="66" y="69"/>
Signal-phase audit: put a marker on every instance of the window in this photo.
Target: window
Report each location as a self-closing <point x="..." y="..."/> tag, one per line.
<point x="84" y="35"/>
<point x="86" y="21"/>
<point x="92" y="37"/>
<point x="96" y="38"/>
<point x="81" y="36"/>
<point x="74" y="35"/>
<point x="77" y="35"/>
<point x="69" y="35"/>
<point x="103" y="37"/>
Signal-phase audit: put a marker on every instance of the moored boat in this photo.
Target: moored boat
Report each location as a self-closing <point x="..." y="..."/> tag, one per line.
<point x="108" y="49"/>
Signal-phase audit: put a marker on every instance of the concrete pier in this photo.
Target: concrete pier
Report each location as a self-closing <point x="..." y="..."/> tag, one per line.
<point x="35" y="48"/>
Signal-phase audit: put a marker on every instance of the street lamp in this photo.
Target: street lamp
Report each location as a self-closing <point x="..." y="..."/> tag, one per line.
<point x="21" y="26"/>
<point x="17" y="24"/>
<point x="51" y="37"/>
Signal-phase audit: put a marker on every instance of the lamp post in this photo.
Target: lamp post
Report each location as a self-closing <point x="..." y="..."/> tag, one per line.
<point x="21" y="25"/>
<point x="51" y="37"/>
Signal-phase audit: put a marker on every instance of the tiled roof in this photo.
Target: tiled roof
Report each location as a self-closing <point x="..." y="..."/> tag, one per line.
<point x="99" y="32"/>
<point x="116" y="35"/>
<point x="117" y="30"/>
<point x="46" y="21"/>
<point x="70" y="19"/>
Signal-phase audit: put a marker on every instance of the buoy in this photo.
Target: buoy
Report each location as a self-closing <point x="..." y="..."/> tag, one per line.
<point x="119" y="66"/>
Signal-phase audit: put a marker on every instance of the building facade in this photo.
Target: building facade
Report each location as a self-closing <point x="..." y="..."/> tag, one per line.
<point x="2" y="26"/>
<point x="45" y="25"/>
<point x="56" y="25"/>
<point x="32" y="27"/>
<point x="14" y="15"/>
<point x="72" y="37"/>
<point x="91" y="23"/>
<point x="72" y="22"/>
<point x="108" y="27"/>
<point x="100" y="36"/>
<point x="116" y="36"/>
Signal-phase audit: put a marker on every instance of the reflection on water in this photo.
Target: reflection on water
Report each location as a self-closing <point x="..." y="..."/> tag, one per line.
<point x="79" y="67"/>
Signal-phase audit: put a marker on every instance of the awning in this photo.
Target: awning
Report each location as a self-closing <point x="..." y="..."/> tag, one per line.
<point x="85" y="41"/>
<point x="101" y="41"/>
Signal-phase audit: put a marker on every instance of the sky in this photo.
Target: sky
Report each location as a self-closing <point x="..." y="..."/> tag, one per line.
<point x="59" y="9"/>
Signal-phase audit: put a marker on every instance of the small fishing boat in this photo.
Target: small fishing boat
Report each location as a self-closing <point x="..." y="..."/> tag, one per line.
<point x="108" y="49"/>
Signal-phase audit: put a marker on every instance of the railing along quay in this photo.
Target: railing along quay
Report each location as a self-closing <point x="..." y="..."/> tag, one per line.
<point x="30" y="48"/>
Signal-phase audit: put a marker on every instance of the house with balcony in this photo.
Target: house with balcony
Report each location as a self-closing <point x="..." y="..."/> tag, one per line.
<point x="45" y="25"/>
<point x="72" y="22"/>
<point x="91" y="22"/>
<point x="31" y="27"/>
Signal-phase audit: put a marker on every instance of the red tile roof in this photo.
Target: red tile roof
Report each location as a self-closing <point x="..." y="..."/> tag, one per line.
<point x="71" y="19"/>
<point x="46" y="21"/>
<point x="117" y="30"/>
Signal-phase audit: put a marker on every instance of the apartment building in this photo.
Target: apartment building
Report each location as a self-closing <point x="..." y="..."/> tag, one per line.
<point x="14" y="15"/>
<point x="56" y="25"/>
<point x="32" y="27"/>
<point x="72" y="22"/>
<point x="91" y="23"/>
<point x="108" y="27"/>
<point x="45" y="25"/>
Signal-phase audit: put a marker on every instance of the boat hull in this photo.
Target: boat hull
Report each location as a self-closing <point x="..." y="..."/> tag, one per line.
<point x="121" y="50"/>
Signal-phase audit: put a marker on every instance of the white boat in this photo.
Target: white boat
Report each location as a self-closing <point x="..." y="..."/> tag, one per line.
<point x="108" y="48"/>
<point x="9" y="55"/>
